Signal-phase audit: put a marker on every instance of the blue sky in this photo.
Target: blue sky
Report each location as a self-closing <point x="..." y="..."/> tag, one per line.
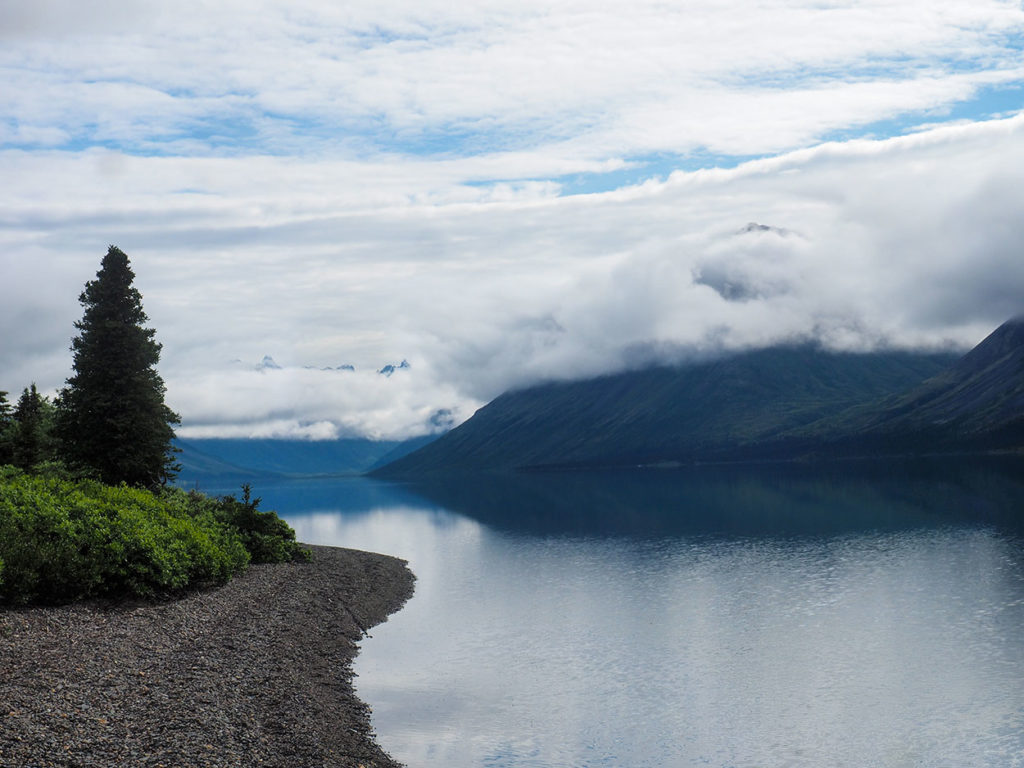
<point x="500" y="191"/>
<point x="694" y="82"/>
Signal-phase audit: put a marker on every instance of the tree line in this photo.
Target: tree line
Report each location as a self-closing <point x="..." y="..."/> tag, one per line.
<point x="109" y="422"/>
<point x="86" y="509"/>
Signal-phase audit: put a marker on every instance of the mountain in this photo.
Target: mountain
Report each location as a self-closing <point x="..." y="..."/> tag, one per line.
<point x="728" y="408"/>
<point x="403" y="449"/>
<point x="391" y="368"/>
<point x="975" y="404"/>
<point x="236" y="457"/>
<point x="196" y="463"/>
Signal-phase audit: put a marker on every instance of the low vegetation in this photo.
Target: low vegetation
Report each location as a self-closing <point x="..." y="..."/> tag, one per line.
<point x="85" y="508"/>
<point x="63" y="540"/>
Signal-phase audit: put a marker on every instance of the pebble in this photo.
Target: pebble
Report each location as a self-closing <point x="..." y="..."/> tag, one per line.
<point x="255" y="673"/>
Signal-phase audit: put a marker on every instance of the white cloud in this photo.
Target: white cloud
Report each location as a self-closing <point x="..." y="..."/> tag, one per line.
<point x="311" y="78"/>
<point x="299" y="403"/>
<point x="366" y="182"/>
<point x="909" y="241"/>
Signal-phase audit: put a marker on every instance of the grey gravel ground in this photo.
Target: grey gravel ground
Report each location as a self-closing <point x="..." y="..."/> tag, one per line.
<point x="255" y="673"/>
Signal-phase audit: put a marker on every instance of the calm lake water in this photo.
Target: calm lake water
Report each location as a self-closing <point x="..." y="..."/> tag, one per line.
<point x="856" y="615"/>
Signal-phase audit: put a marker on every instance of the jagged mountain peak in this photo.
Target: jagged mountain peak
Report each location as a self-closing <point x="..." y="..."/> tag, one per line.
<point x="391" y="368"/>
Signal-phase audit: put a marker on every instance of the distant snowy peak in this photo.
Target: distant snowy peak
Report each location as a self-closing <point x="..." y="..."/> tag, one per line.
<point x="390" y="368"/>
<point x="269" y="364"/>
<point x="754" y="227"/>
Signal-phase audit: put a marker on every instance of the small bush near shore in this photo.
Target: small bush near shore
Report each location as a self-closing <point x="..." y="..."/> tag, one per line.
<point x="64" y="540"/>
<point x="267" y="538"/>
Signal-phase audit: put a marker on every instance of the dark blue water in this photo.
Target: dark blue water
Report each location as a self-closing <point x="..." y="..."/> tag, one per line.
<point x="852" y="615"/>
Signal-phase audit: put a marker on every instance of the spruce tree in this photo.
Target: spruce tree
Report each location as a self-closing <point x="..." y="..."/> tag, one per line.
<point x="111" y="417"/>
<point x="6" y="430"/>
<point x="31" y="439"/>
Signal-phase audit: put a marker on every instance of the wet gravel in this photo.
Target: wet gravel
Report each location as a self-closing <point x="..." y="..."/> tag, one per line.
<point x="255" y="673"/>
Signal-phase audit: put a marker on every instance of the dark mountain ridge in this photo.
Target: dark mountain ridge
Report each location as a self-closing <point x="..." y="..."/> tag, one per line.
<point x="712" y="410"/>
<point x="975" y="404"/>
<point x="983" y="390"/>
<point x="778" y="403"/>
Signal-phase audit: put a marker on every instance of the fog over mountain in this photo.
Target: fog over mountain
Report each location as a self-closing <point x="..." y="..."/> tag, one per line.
<point x="351" y="187"/>
<point x="778" y="404"/>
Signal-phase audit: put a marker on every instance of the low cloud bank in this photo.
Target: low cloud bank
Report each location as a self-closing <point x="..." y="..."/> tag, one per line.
<point x="907" y="242"/>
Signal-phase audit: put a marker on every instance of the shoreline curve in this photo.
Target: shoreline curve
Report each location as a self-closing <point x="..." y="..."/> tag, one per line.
<point x="257" y="672"/>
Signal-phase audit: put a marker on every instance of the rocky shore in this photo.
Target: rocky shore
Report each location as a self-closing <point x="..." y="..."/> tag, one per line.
<point x="255" y="673"/>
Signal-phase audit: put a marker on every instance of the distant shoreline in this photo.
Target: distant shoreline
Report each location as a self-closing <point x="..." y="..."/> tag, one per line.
<point x="823" y="460"/>
<point x="257" y="672"/>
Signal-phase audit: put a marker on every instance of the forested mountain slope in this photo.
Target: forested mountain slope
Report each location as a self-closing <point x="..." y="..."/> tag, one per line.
<point x="975" y="404"/>
<point x="709" y="410"/>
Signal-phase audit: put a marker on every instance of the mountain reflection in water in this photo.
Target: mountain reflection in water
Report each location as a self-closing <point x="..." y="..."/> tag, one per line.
<point x="741" y="500"/>
<point x="846" y="614"/>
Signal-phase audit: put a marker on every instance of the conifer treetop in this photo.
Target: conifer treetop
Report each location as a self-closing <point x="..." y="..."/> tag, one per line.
<point x="112" y="417"/>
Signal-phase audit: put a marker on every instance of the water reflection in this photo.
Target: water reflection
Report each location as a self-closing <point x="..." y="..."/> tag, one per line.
<point x="764" y="500"/>
<point x="868" y="615"/>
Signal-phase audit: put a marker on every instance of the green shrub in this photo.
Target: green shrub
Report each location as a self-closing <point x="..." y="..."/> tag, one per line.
<point x="62" y="541"/>
<point x="267" y="537"/>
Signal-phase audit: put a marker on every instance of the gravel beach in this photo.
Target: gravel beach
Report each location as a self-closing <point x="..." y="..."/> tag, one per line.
<point x="255" y="673"/>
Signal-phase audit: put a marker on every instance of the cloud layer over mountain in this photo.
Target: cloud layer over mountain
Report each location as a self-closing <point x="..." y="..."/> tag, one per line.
<point x="488" y="194"/>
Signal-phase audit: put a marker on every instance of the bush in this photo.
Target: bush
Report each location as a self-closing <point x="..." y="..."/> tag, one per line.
<point x="62" y="541"/>
<point x="267" y="537"/>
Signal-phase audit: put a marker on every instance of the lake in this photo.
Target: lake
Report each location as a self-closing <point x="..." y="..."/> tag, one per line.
<point x="846" y="615"/>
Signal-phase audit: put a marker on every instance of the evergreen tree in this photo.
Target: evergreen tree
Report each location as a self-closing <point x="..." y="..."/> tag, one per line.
<point x="6" y="430"/>
<point x="31" y="437"/>
<point x="111" y="416"/>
